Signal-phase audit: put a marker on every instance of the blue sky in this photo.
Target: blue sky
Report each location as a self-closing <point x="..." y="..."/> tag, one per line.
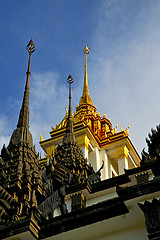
<point x="123" y="64"/>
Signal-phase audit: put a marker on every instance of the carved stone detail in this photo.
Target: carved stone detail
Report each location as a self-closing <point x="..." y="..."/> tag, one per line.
<point x="78" y="201"/>
<point x="69" y="156"/>
<point x="95" y="177"/>
<point x="8" y="207"/>
<point x="142" y="178"/>
<point x="56" y="199"/>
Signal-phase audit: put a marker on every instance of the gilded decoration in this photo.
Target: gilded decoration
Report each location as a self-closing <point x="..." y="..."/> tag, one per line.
<point x="50" y="151"/>
<point x="114" y="130"/>
<point x="87" y="115"/>
<point x="41" y="138"/>
<point x="83" y="141"/>
<point x="122" y="152"/>
<point x="87" y="112"/>
<point x="63" y="122"/>
<point x="126" y="131"/>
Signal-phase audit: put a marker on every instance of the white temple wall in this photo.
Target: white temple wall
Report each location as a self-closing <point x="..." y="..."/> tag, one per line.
<point x="85" y="153"/>
<point x="106" y="171"/>
<point x="94" y="159"/>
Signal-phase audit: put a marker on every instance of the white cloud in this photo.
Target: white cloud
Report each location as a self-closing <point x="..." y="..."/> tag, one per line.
<point x="48" y="99"/>
<point x="4" y="131"/>
<point x="125" y="73"/>
<point x="47" y="104"/>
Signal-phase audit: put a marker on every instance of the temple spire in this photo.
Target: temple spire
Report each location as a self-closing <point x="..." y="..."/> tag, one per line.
<point x="85" y="87"/>
<point x="85" y="97"/>
<point x="69" y="136"/>
<point x="24" y="112"/>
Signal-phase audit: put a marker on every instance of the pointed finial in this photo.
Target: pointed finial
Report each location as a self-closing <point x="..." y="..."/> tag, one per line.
<point x="86" y="51"/>
<point x="31" y="47"/>
<point x="24" y="113"/>
<point x="70" y="79"/>
<point x="85" y="99"/>
<point x="69" y="136"/>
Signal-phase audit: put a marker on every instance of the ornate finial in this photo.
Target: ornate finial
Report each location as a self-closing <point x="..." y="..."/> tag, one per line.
<point x="31" y="47"/>
<point x="70" y="81"/>
<point x="86" y="50"/>
<point x="127" y="129"/>
<point x="24" y="113"/>
<point x="69" y="136"/>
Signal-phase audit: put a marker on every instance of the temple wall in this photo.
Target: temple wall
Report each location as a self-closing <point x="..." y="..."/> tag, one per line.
<point x="138" y="233"/>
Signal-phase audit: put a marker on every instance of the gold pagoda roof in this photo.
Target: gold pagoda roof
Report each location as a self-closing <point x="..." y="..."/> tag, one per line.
<point x="86" y="121"/>
<point x="86" y="111"/>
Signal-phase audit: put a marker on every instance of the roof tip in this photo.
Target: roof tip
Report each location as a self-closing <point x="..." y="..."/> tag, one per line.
<point x="70" y="79"/>
<point x="31" y="47"/>
<point x="69" y="136"/>
<point x="86" y="50"/>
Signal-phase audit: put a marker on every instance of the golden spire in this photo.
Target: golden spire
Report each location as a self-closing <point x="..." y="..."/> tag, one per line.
<point x="85" y="88"/>
<point x="85" y="97"/>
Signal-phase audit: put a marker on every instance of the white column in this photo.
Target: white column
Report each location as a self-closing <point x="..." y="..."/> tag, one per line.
<point x="83" y="142"/>
<point x="122" y="154"/>
<point x="94" y="159"/>
<point x="97" y="156"/>
<point x="105" y="172"/>
<point x="85" y="152"/>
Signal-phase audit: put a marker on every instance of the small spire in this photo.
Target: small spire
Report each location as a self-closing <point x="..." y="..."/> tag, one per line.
<point x="24" y="112"/>
<point x="85" y="97"/>
<point x="69" y="136"/>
